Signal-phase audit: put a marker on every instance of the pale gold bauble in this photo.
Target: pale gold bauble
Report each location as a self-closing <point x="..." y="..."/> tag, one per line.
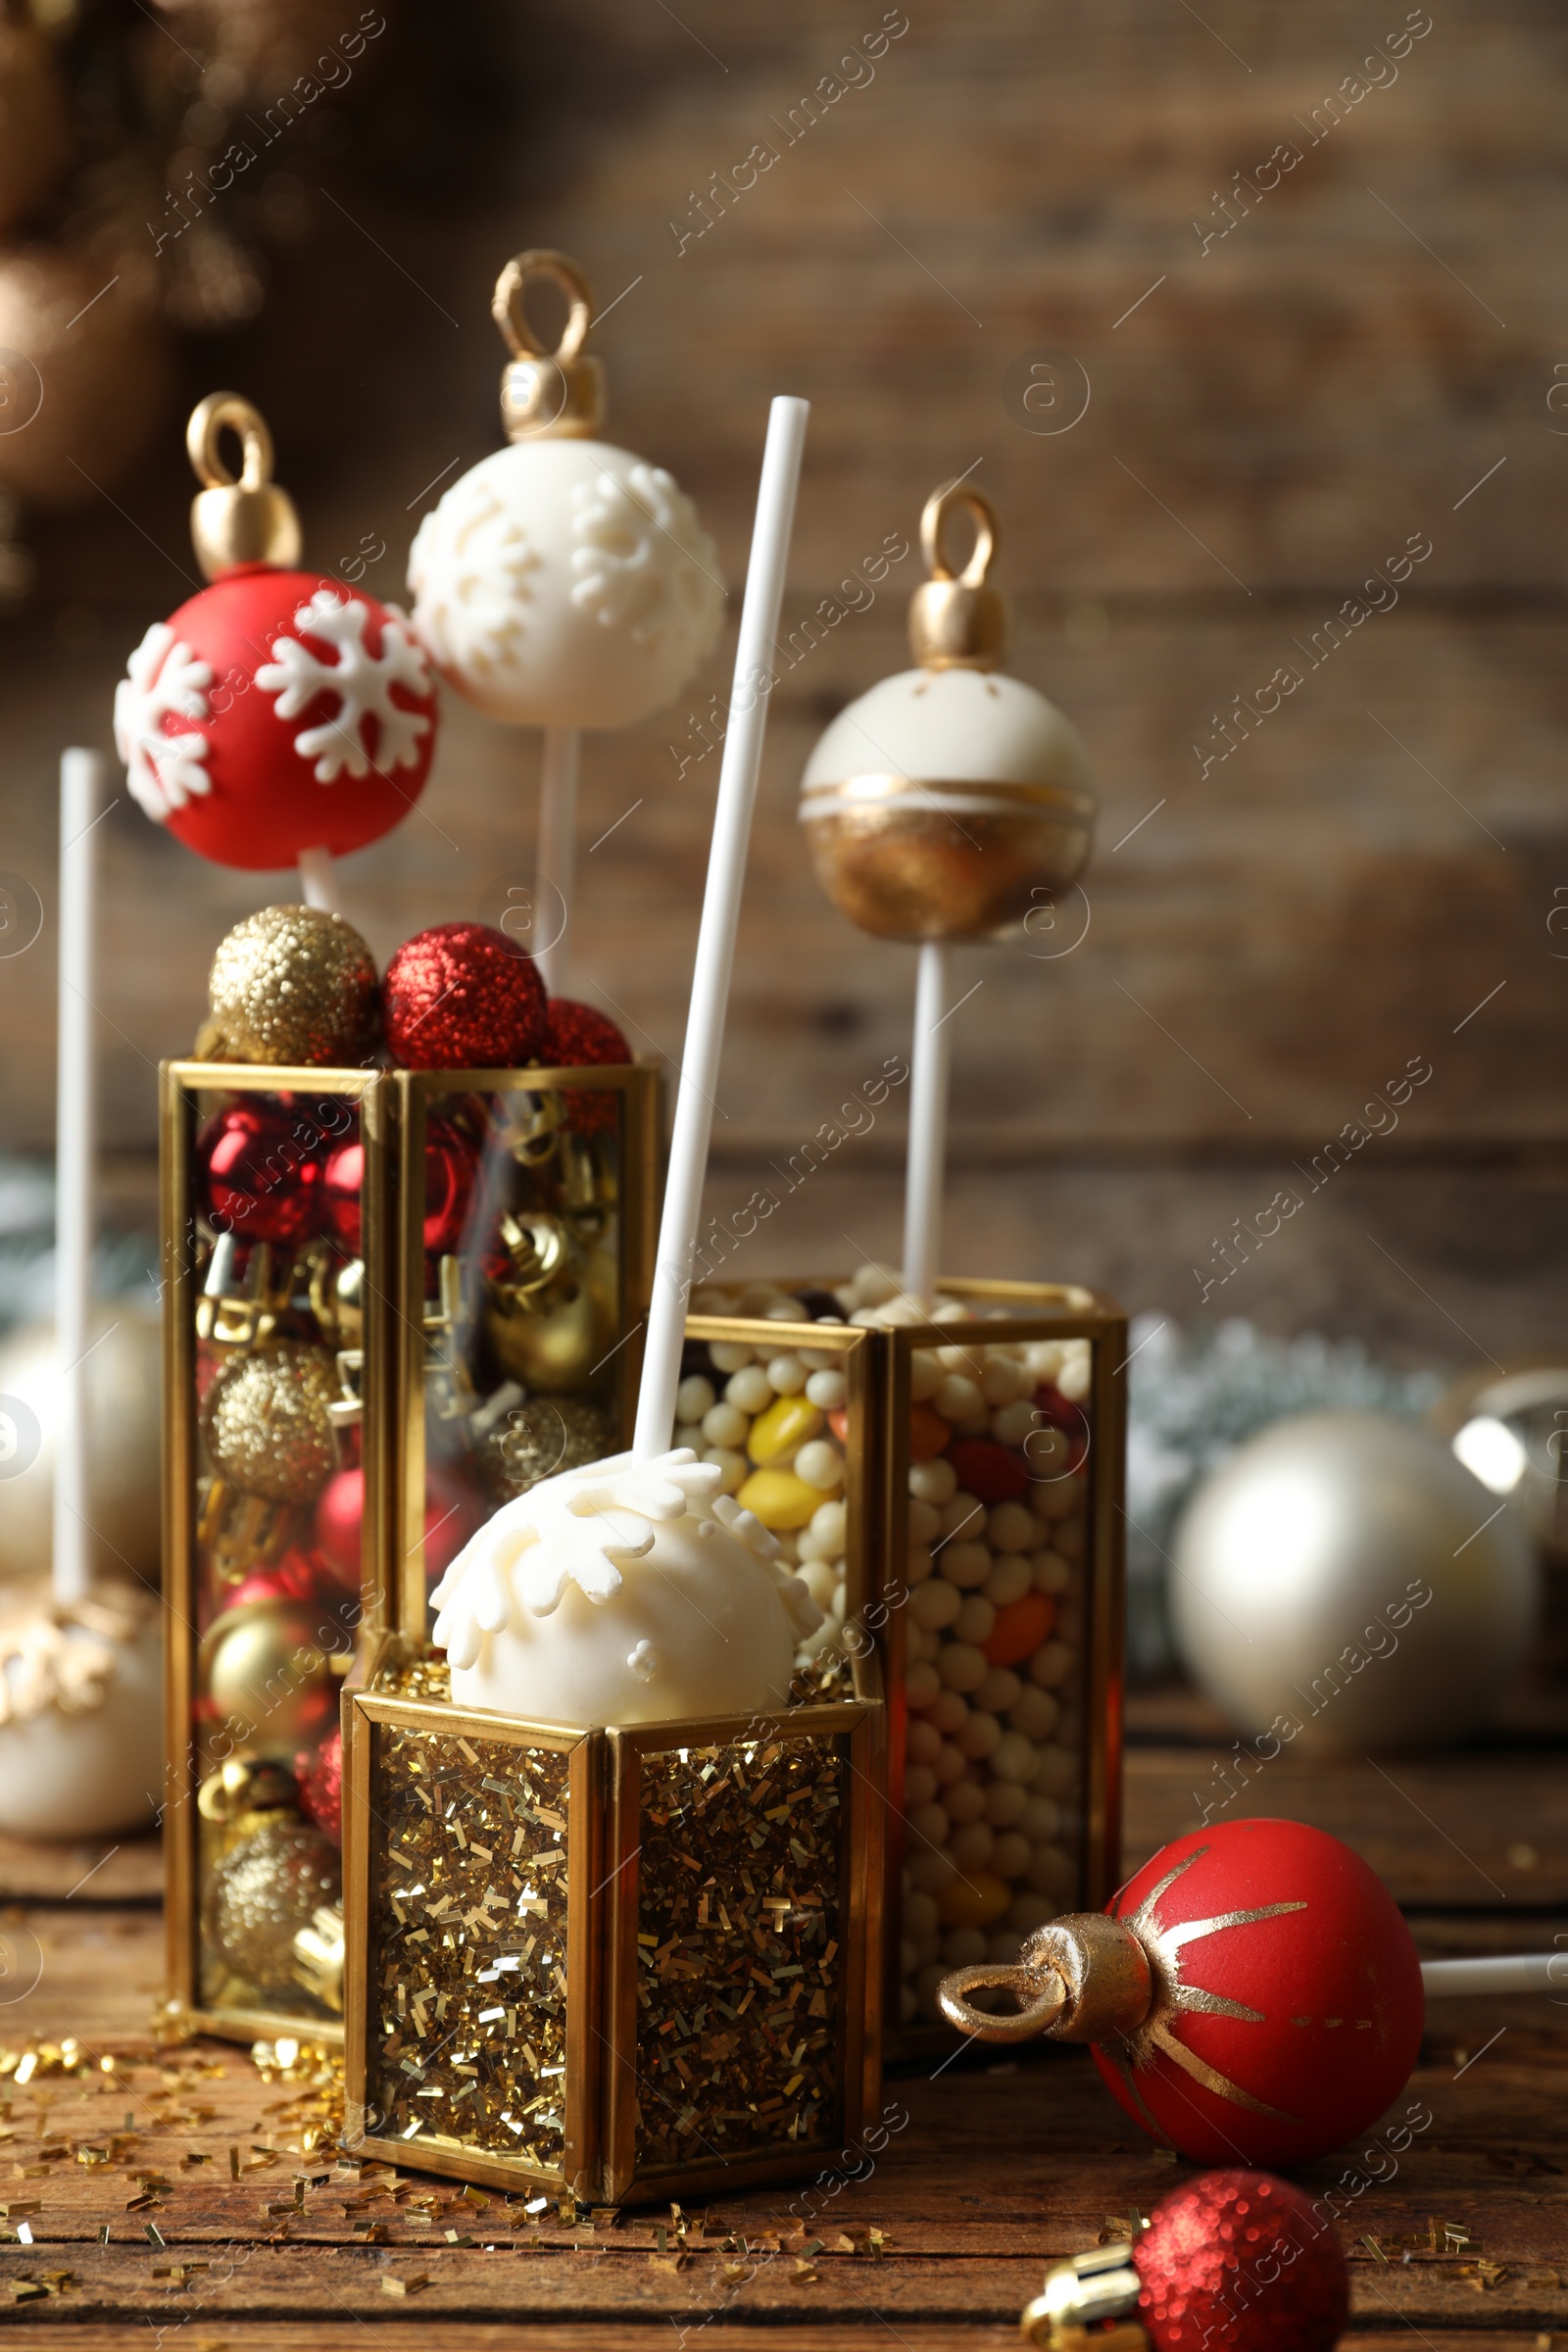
<point x="123" y="1371"/>
<point x="34" y="121"/>
<point x="262" y="1893"/>
<point x="84" y="374"/>
<point x="265" y="1421"/>
<point x="264" y="1677"/>
<point x="293" y="984"/>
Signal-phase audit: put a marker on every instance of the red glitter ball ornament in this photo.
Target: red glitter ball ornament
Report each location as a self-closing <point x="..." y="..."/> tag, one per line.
<point x="463" y="996"/>
<point x="1288" y="2006"/>
<point x="276" y="711"/>
<point x="1239" y="2262"/>
<point x="320" y="1779"/>
<point x="254" y="1176"/>
<point x="579" y="1038"/>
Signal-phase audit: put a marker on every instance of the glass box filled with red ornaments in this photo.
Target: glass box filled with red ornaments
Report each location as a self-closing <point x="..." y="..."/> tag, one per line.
<point x="274" y="1201"/>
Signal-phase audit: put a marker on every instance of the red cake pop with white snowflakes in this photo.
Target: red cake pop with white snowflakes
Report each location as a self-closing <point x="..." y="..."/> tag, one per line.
<point x="278" y="714"/>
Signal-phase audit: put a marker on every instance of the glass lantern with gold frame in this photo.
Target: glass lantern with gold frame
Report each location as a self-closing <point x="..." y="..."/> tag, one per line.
<point x="274" y="1208"/>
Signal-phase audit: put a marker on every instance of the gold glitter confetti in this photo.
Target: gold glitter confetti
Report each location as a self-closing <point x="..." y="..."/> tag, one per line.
<point x="468" y="1952"/>
<point x="737" y="1945"/>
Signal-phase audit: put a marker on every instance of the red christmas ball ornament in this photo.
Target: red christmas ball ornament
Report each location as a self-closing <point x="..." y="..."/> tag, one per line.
<point x="1239" y="2261"/>
<point x="463" y="996"/>
<point x="451" y="1517"/>
<point x="1290" y="2009"/>
<point x="1253" y="1992"/>
<point x="277" y="711"/>
<point x="1230" y="2261"/>
<point x="254" y="1176"/>
<point x="578" y="1037"/>
<point x="320" y="1780"/>
<point x="450" y="1171"/>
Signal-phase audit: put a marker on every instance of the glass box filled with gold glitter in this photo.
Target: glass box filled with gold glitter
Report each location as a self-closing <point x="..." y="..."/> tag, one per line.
<point x="618" y="1964"/>
<point x="273" y="1187"/>
<point x="524" y="1207"/>
<point x="1002" y="1629"/>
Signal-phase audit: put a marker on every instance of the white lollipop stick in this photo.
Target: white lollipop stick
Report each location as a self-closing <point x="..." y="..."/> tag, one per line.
<point x="1513" y="1971"/>
<point x="319" y="881"/>
<point x="557" y="846"/>
<point x="930" y="1065"/>
<point x="715" y="939"/>
<point x="81" y="787"/>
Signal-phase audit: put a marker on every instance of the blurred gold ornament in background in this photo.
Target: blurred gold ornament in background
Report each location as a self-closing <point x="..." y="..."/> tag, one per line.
<point x="264" y="1892"/>
<point x="124" y="1376"/>
<point x="267" y="1424"/>
<point x="84" y="374"/>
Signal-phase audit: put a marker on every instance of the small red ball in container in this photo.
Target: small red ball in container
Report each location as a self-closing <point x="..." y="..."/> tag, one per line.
<point x="1239" y="2262"/>
<point x="321" y="1778"/>
<point x="451" y="1169"/>
<point x="451" y="1517"/>
<point x="463" y="996"/>
<point x="254" y="1176"/>
<point x="580" y="1038"/>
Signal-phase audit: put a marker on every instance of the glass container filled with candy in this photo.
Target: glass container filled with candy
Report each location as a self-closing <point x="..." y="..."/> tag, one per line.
<point x="274" y="1196"/>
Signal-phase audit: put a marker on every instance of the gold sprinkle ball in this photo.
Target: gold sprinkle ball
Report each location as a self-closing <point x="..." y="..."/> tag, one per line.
<point x="263" y="1892"/>
<point x="265" y="1423"/>
<point x="291" y="984"/>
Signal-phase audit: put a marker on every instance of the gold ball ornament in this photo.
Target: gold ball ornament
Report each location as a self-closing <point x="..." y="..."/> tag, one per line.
<point x="84" y="376"/>
<point x="950" y="801"/>
<point x="80" y="1711"/>
<point x="292" y="984"/>
<point x="263" y="1892"/>
<point x="541" y="1437"/>
<point x="35" y="121"/>
<point x="124" y="1377"/>
<point x="267" y="1424"/>
<point x="264" y="1679"/>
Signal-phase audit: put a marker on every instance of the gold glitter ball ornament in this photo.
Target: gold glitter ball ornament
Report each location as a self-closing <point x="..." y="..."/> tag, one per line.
<point x="261" y="1895"/>
<point x="291" y="984"/>
<point x="265" y="1421"/>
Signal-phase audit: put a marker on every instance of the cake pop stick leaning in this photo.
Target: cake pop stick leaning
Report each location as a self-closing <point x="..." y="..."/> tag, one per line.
<point x="562" y="583"/>
<point x="951" y="803"/>
<point x="633" y="1590"/>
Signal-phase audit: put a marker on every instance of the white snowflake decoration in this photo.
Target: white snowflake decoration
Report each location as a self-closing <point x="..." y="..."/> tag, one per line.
<point x="625" y="573"/>
<point x="164" y="679"/>
<point x="468" y="573"/>
<point x="361" y="682"/>
<point x="583" y="1526"/>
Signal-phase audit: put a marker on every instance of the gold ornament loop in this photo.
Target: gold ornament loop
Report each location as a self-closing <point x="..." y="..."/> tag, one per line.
<point x="1041" y="2001"/>
<point x="237" y="523"/>
<point x="956" y="619"/>
<point x="207" y="422"/>
<point x="939" y="507"/>
<point x="507" y="304"/>
<point x="546" y="395"/>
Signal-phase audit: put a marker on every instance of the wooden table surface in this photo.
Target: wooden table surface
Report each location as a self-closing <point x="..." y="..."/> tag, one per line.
<point x="1000" y="2168"/>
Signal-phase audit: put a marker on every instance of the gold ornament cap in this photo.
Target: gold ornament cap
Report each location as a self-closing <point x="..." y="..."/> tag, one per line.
<point x="1084" y="1977"/>
<point x="547" y="395"/>
<point x="238" y="522"/>
<point x="1088" y="2301"/>
<point x="957" y="620"/>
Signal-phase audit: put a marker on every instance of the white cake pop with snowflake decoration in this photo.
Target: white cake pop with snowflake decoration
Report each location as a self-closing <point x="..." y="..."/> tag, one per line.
<point x="563" y="582"/>
<point x="625" y="1592"/>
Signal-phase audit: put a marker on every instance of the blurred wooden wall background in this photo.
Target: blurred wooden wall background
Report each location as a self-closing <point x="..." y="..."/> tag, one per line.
<point x="1361" y="364"/>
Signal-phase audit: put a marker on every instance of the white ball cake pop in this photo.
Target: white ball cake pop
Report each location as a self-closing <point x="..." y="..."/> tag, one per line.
<point x="563" y="582"/>
<point x="950" y="801"/>
<point x="625" y="1592"/>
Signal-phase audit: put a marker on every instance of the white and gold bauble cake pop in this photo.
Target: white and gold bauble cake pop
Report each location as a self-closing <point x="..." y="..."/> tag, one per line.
<point x="563" y="582"/>
<point x="625" y="1592"/>
<point x="951" y="800"/>
<point x="82" y="1728"/>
